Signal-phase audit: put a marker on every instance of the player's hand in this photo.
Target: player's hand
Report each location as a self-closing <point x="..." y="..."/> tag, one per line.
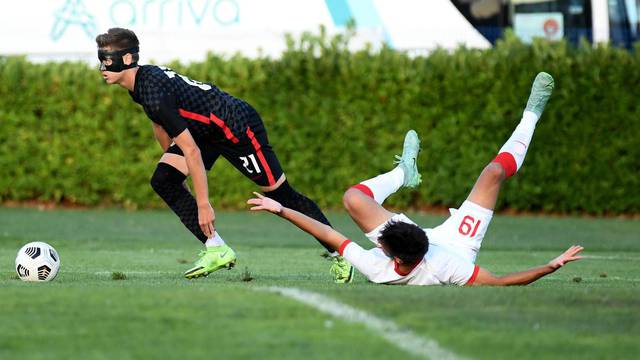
<point x="206" y="218"/>
<point x="262" y="202"/>
<point x="570" y="255"/>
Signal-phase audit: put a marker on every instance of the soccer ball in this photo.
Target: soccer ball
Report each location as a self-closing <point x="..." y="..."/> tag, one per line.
<point x="37" y="261"/>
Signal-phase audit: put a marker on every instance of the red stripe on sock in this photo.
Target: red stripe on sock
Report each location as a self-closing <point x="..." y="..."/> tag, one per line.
<point x="365" y="189"/>
<point x="343" y="246"/>
<point x="508" y="163"/>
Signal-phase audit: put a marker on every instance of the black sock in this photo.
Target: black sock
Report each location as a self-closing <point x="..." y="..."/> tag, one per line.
<point x="167" y="182"/>
<point x="292" y="199"/>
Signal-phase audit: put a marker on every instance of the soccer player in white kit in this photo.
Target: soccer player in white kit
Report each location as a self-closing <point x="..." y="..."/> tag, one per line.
<point x="446" y="254"/>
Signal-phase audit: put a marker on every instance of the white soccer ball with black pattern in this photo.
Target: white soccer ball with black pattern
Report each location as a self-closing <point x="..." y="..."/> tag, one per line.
<point x="37" y="261"/>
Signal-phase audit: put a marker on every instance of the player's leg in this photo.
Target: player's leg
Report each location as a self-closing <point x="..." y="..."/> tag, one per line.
<point x="511" y="155"/>
<point x="285" y="194"/>
<point x="168" y="181"/>
<point x="254" y="157"/>
<point x="465" y="229"/>
<point x="364" y="200"/>
<point x="487" y="187"/>
<point x="366" y="212"/>
<point x="341" y="270"/>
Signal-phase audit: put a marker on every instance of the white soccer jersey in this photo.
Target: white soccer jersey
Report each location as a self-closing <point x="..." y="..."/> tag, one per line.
<point x="453" y="247"/>
<point x="438" y="267"/>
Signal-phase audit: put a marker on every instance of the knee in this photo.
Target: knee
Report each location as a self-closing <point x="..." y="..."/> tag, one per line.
<point x="494" y="172"/>
<point x="158" y="180"/>
<point x="165" y="175"/>
<point x="350" y="198"/>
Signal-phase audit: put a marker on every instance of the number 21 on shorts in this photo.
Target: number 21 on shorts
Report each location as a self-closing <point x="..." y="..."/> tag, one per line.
<point x="247" y="166"/>
<point x="467" y="225"/>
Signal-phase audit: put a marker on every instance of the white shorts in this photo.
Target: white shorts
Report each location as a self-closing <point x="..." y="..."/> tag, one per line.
<point x="461" y="233"/>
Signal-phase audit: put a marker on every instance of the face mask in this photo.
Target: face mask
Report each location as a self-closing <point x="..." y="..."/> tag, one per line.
<point x="117" y="64"/>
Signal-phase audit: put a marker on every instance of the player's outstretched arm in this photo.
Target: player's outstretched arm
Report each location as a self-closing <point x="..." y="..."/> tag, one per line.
<point x="315" y="228"/>
<point x="526" y="277"/>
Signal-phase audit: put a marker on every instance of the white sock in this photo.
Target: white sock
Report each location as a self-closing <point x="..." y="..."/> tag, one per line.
<point x="216" y="240"/>
<point x="385" y="184"/>
<point x="512" y="153"/>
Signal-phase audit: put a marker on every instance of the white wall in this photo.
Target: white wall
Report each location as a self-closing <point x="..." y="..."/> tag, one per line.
<point x="187" y="29"/>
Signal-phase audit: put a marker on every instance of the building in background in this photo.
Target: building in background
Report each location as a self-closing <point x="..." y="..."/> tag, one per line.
<point x="609" y="21"/>
<point x="188" y="29"/>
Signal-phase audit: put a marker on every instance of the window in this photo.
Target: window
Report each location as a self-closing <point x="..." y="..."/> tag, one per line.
<point x="552" y="19"/>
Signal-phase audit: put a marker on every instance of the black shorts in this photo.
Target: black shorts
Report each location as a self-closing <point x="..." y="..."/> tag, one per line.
<point x="250" y="153"/>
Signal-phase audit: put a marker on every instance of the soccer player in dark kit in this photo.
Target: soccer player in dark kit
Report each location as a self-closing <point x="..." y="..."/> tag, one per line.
<point x="195" y="123"/>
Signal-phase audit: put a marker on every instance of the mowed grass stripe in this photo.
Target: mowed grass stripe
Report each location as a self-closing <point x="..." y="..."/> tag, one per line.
<point x="134" y="321"/>
<point x="587" y="310"/>
<point x="404" y="339"/>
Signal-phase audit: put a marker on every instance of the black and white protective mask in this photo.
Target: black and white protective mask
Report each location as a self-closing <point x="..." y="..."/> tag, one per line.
<point x="114" y="59"/>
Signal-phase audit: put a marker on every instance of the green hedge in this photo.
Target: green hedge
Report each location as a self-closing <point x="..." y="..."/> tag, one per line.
<point x="336" y="117"/>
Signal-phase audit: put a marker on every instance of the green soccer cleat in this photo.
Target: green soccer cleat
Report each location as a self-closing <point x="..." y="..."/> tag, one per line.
<point x="540" y="93"/>
<point x="408" y="160"/>
<point x="212" y="259"/>
<point x="341" y="270"/>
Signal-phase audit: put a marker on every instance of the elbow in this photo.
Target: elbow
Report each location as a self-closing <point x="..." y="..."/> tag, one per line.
<point x="501" y="281"/>
<point x="191" y="151"/>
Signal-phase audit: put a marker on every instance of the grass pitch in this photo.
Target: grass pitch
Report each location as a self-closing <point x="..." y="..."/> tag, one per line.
<point x="120" y="293"/>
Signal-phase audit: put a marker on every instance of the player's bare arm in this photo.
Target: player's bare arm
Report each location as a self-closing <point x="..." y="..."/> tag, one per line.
<point x="206" y="215"/>
<point x="161" y="136"/>
<point x="528" y="276"/>
<point x="313" y="227"/>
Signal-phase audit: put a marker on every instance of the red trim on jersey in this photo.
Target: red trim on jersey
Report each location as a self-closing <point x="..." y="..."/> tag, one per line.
<point x="473" y="276"/>
<point x="227" y="132"/>
<point x="207" y="120"/>
<point x="364" y="188"/>
<point x="343" y="246"/>
<point x="194" y="116"/>
<point x="396" y="267"/>
<point x="508" y="163"/>
<point x="263" y="161"/>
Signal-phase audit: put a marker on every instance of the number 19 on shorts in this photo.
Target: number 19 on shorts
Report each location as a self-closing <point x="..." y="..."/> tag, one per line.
<point x="469" y="225"/>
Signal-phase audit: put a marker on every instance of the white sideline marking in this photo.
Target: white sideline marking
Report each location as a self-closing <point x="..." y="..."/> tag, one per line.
<point x="402" y="338"/>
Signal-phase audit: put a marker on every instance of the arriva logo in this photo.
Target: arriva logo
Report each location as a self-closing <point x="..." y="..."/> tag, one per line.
<point x="363" y="12"/>
<point x="72" y="13"/>
<point x="148" y="13"/>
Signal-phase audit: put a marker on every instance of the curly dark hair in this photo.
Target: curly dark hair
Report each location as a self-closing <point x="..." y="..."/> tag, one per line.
<point x="406" y="241"/>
